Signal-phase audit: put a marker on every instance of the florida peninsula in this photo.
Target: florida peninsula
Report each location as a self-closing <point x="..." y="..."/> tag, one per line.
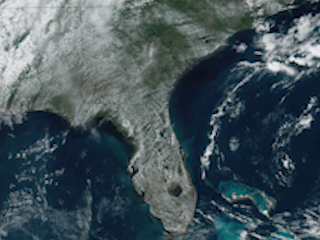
<point x="119" y="59"/>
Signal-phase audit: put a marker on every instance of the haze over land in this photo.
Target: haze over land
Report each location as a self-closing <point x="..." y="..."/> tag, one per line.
<point x="119" y="60"/>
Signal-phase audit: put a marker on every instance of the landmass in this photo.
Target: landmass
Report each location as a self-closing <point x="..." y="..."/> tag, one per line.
<point x="235" y="191"/>
<point x="119" y="60"/>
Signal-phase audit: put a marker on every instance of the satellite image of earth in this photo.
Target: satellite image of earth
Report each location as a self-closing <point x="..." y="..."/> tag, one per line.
<point x="159" y="119"/>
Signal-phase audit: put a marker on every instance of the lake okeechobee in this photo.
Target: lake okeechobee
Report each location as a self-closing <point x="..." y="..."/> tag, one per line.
<point x="248" y="118"/>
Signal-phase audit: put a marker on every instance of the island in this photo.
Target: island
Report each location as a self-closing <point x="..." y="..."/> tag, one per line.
<point x="120" y="60"/>
<point x="234" y="191"/>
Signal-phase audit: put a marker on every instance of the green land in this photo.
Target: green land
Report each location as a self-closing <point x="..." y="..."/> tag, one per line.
<point x="120" y="60"/>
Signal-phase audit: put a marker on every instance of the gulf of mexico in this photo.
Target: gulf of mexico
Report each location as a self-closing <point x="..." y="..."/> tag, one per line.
<point x="60" y="182"/>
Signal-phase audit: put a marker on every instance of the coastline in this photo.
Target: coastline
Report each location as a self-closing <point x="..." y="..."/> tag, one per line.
<point x="112" y="77"/>
<point x="97" y="154"/>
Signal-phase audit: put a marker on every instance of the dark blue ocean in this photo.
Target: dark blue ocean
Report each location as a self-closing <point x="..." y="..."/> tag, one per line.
<point x="248" y="118"/>
<point x="59" y="182"/>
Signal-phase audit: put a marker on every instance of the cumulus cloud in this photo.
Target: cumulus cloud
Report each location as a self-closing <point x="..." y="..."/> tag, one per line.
<point x="280" y="67"/>
<point x="299" y="46"/>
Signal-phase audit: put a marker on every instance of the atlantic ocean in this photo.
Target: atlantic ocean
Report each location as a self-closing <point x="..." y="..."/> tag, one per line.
<point x="248" y="120"/>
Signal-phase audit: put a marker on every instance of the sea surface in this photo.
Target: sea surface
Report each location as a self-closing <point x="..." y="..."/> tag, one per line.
<point x="59" y="182"/>
<point x="248" y="118"/>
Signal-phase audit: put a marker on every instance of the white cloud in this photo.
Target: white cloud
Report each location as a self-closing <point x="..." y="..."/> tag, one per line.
<point x="303" y="27"/>
<point x="234" y="144"/>
<point x="240" y="48"/>
<point x="280" y="67"/>
<point x="298" y="46"/>
<point x="304" y="122"/>
<point x="229" y="105"/>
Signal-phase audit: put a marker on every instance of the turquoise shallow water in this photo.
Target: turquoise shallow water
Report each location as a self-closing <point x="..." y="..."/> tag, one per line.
<point x="76" y="179"/>
<point x="254" y="109"/>
<point x="248" y="117"/>
<point x="227" y="229"/>
<point x="236" y="190"/>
